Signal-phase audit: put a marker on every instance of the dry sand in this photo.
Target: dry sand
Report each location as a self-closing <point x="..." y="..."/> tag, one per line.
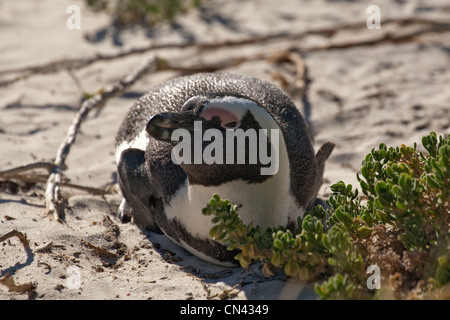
<point x="360" y="96"/>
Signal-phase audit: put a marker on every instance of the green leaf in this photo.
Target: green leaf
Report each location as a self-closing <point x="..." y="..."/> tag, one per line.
<point x="365" y="231"/>
<point x="243" y="260"/>
<point x="400" y="205"/>
<point x="326" y="242"/>
<point x="290" y="268"/>
<point x="332" y="262"/>
<point x="432" y="182"/>
<point x="214" y="232"/>
<point x="443" y="262"/>
<point x="277" y="259"/>
<point x="381" y="187"/>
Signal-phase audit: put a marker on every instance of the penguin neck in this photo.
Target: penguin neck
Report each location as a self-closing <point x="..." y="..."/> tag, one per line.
<point x="213" y="176"/>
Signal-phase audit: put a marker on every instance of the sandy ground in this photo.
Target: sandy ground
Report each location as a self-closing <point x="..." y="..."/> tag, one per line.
<point x="360" y="96"/>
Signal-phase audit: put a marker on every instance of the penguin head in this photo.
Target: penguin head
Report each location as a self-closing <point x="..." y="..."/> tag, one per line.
<point x="219" y="138"/>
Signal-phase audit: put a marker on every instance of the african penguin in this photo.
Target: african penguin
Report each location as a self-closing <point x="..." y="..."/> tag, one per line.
<point x="165" y="195"/>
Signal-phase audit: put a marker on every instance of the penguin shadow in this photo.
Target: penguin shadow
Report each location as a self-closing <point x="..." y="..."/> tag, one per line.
<point x="211" y="273"/>
<point x="232" y="282"/>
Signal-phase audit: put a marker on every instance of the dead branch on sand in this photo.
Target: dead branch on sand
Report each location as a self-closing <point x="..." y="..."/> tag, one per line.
<point x="20" y="173"/>
<point x="100" y="251"/>
<point x="15" y="233"/>
<point x="54" y="201"/>
<point x="49" y="166"/>
<point x="426" y="26"/>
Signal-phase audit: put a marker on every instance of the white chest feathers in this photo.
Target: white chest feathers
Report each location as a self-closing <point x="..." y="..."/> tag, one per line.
<point x="267" y="204"/>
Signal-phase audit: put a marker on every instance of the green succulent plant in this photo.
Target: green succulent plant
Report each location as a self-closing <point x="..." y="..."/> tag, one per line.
<point x="147" y="12"/>
<point x="398" y="220"/>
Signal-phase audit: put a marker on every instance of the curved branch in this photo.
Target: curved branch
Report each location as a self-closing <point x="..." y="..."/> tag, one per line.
<point x="53" y="196"/>
<point x="431" y="25"/>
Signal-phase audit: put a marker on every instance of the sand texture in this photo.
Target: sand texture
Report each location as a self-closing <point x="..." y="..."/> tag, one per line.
<point x="361" y="87"/>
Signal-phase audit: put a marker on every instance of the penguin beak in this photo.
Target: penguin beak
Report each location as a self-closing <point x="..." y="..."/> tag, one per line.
<point x="162" y="125"/>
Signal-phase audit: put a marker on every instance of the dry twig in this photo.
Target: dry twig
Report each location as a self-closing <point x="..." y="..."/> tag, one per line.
<point x="45" y="264"/>
<point x="16" y="233"/>
<point x="16" y="174"/>
<point x="53" y="197"/>
<point x="44" y="179"/>
<point x="46" y="248"/>
<point x="100" y="251"/>
<point x="428" y="26"/>
<point x="49" y="166"/>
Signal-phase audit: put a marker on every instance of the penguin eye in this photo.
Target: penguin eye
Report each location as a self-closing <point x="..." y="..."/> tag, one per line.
<point x="231" y="125"/>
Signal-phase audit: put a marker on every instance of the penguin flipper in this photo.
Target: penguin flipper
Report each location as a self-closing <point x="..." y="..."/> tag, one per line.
<point x="138" y="189"/>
